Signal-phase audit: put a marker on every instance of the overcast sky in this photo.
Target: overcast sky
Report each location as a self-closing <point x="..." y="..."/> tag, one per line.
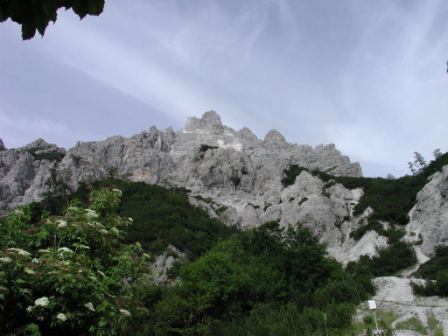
<point x="369" y="76"/>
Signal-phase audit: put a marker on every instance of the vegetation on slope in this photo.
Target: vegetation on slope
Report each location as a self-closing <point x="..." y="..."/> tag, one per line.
<point x="161" y="216"/>
<point x="79" y="270"/>
<point x="435" y="271"/>
<point x="391" y="199"/>
<point x="389" y="261"/>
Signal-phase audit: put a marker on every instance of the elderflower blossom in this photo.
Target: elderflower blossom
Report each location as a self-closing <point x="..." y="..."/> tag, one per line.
<point x="61" y="224"/>
<point x="91" y="214"/>
<point x="118" y="191"/>
<point x="125" y="312"/>
<point x="43" y="301"/>
<point x="19" y="251"/>
<point x="65" y="249"/>
<point x="89" y="306"/>
<point x="35" y="260"/>
<point x="5" y="260"/>
<point x="115" y="231"/>
<point x="28" y="271"/>
<point x="131" y="219"/>
<point x="62" y="317"/>
<point x="29" y="309"/>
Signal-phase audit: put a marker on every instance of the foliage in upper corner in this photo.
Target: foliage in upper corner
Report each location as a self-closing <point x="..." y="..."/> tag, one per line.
<point x="72" y="274"/>
<point x="36" y="15"/>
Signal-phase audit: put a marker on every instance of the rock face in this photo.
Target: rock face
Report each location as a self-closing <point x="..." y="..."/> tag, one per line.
<point x="239" y="172"/>
<point x="429" y="217"/>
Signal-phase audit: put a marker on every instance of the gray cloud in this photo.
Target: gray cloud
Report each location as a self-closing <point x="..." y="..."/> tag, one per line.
<point x="368" y="76"/>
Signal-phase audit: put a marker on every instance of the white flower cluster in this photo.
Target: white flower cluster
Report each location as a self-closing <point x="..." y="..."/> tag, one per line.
<point x="125" y="312"/>
<point x="62" y="317"/>
<point x="5" y="260"/>
<point x="91" y="214"/>
<point x="19" y="251"/>
<point x="65" y="250"/>
<point x="42" y="302"/>
<point x="118" y="191"/>
<point x="61" y="224"/>
<point x="28" y="271"/>
<point x="89" y="306"/>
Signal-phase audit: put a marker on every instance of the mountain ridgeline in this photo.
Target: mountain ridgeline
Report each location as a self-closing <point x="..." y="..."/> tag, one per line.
<point x="208" y="231"/>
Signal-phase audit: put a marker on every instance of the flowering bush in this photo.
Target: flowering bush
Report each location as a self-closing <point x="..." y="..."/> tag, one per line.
<point x="71" y="274"/>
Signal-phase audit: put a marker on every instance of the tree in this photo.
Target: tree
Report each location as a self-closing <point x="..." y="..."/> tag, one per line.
<point x="437" y="153"/>
<point x="35" y="15"/>
<point x="418" y="164"/>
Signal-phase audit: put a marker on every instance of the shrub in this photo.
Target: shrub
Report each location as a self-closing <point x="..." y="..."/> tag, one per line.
<point x="71" y="274"/>
<point x="388" y="261"/>
<point x="390" y="199"/>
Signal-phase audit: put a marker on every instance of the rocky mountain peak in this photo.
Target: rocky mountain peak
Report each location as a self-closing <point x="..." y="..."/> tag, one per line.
<point x="39" y="144"/>
<point x="209" y="122"/>
<point x="275" y="138"/>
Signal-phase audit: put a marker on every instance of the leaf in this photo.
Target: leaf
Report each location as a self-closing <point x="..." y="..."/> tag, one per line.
<point x="81" y="7"/>
<point x="28" y="30"/>
<point x="96" y="7"/>
<point x="4" y="11"/>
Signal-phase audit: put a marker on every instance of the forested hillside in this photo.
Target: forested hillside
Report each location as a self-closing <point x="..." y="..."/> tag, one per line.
<point x="82" y="266"/>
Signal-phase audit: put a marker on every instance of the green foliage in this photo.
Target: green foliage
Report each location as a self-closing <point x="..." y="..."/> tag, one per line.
<point x="205" y="148"/>
<point x="394" y="234"/>
<point x="435" y="271"/>
<point x="389" y="261"/>
<point x="384" y="318"/>
<point x="162" y="217"/>
<point x="36" y="15"/>
<point x="437" y="263"/>
<point x="390" y="199"/>
<point x="290" y="174"/>
<point x="80" y="270"/>
<point x="50" y="156"/>
<point x="265" y="281"/>
<point x="72" y="274"/>
<point x="412" y="323"/>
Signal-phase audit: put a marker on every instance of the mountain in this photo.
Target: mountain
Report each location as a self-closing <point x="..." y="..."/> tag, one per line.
<point x="378" y="227"/>
<point x="232" y="174"/>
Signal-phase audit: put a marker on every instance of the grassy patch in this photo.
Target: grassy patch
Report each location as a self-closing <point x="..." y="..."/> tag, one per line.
<point x="414" y="324"/>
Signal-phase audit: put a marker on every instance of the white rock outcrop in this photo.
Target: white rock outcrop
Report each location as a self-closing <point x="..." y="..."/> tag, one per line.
<point x="428" y="224"/>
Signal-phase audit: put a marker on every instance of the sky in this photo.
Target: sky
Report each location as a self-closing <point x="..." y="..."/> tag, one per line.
<point x="368" y="76"/>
